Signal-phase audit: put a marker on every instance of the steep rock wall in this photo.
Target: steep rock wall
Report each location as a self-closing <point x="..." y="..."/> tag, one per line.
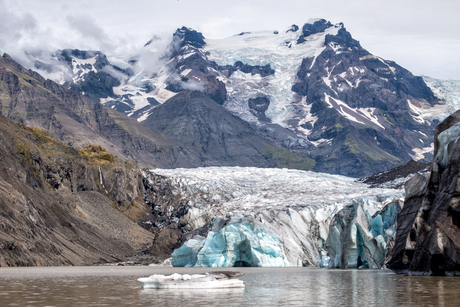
<point x="428" y="235"/>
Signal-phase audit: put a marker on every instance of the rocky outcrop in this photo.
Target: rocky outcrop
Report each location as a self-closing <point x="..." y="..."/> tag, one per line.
<point x="397" y="177"/>
<point x="218" y="137"/>
<point x="317" y="26"/>
<point x="63" y="206"/>
<point x="186" y="36"/>
<point x="258" y="107"/>
<point x="228" y="70"/>
<point x="427" y="239"/>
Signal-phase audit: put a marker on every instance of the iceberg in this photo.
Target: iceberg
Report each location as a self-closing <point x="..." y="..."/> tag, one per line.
<point x="212" y="280"/>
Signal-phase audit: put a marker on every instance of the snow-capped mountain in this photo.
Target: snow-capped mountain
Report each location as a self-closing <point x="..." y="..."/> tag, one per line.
<point x="313" y="90"/>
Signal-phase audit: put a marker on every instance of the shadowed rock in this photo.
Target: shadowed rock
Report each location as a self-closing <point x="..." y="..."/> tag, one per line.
<point x="428" y="235"/>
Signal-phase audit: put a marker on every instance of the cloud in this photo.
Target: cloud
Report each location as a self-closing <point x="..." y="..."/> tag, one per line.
<point x="193" y="86"/>
<point x="87" y="27"/>
<point x="120" y="26"/>
<point x="13" y="27"/>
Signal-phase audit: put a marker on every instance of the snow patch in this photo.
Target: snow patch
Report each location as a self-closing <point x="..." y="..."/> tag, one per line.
<point x="416" y="113"/>
<point x="419" y="153"/>
<point x="358" y="115"/>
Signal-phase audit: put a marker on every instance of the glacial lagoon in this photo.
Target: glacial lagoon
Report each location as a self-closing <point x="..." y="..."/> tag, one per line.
<point x="118" y="286"/>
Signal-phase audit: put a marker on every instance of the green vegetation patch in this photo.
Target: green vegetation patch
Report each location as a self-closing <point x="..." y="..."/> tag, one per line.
<point x="371" y="153"/>
<point x="285" y="159"/>
<point x="49" y="145"/>
<point x="350" y="143"/>
<point x="24" y="151"/>
<point x="95" y="154"/>
<point x="332" y="131"/>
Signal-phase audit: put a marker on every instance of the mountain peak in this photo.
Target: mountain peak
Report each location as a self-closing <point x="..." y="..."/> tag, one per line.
<point x="188" y="36"/>
<point x="314" y="26"/>
<point x="293" y="28"/>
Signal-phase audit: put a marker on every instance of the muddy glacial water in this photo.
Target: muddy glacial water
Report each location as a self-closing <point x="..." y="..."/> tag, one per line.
<point x="118" y="286"/>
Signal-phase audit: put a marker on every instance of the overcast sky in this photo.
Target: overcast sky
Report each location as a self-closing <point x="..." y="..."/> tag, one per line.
<point x="420" y="35"/>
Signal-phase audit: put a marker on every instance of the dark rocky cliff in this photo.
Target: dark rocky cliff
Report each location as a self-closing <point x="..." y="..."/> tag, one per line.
<point x="347" y="76"/>
<point x="428" y="235"/>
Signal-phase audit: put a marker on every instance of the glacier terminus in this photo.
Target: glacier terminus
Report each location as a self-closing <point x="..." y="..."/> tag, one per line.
<point x="237" y="217"/>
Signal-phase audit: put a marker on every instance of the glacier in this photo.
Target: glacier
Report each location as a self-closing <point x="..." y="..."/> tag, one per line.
<point x="239" y="244"/>
<point x="260" y="48"/>
<point x="280" y="217"/>
<point x="358" y="239"/>
<point x="446" y="90"/>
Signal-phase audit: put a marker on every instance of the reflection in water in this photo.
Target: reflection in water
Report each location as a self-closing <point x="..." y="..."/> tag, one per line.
<point x="199" y="297"/>
<point x="97" y="286"/>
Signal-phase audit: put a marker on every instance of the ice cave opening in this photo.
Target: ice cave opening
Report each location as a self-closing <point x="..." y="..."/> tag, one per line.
<point x="243" y="254"/>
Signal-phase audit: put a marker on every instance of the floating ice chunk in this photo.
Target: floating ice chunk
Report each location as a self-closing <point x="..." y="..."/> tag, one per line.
<point x="225" y="279"/>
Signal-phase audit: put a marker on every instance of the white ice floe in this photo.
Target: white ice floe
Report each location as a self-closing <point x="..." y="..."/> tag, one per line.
<point x="210" y="280"/>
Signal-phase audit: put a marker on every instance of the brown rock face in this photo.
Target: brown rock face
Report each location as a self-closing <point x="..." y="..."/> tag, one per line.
<point x="428" y="235"/>
<point x="58" y="205"/>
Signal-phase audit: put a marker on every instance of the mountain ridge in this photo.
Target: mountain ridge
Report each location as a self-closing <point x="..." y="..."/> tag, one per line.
<point x="30" y="99"/>
<point x="307" y="89"/>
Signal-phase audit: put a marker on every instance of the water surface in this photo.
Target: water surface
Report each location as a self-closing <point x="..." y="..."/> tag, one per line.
<point x="117" y="286"/>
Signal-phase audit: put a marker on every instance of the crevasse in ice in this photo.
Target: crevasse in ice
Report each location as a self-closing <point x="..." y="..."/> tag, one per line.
<point x="356" y="240"/>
